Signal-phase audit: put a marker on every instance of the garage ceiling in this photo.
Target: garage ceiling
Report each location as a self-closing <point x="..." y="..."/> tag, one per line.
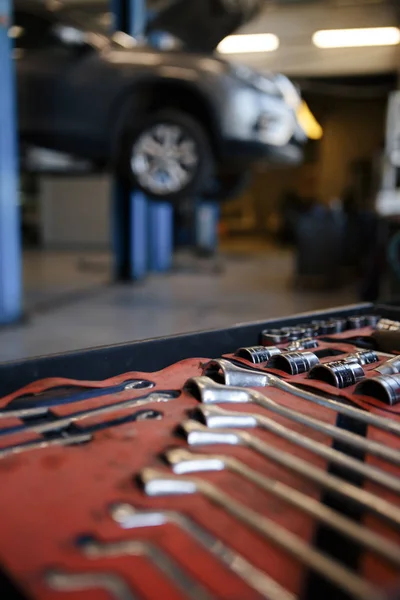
<point x="294" y="22"/>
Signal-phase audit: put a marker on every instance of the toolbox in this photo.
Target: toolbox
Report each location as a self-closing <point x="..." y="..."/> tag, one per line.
<point x="258" y="461"/>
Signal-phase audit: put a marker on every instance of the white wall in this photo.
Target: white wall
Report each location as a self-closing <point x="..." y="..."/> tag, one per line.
<point x="75" y="212"/>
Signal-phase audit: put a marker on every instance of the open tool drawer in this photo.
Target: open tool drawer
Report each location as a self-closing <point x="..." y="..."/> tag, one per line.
<point x="121" y="481"/>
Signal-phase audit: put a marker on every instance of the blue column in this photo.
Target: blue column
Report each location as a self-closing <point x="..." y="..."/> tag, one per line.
<point x="160" y="232"/>
<point x="129" y="209"/>
<point x="142" y="228"/>
<point x="10" y="243"/>
<point x="161" y="216"/>
<point x="130" y="222"/>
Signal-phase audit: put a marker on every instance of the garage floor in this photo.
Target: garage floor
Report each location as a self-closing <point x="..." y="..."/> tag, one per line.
<point x="71" y="304"/>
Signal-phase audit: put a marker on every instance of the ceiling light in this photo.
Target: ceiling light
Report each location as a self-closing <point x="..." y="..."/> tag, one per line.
<point x="257" y="42"/>
<point x="356" y="38"/>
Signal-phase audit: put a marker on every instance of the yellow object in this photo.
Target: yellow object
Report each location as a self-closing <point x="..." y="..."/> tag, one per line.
<point x="308" y="122"/>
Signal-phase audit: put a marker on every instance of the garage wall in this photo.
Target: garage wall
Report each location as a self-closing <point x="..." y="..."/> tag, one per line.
<point x="75" y="212"/>
<point x="353" y="129"/>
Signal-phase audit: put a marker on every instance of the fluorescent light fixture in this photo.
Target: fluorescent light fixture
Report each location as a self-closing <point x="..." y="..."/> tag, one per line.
<point x="356" y="38"/>
<point x="255" y="42"/>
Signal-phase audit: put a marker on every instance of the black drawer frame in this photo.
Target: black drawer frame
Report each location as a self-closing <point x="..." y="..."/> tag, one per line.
<point x="154" y="354"/>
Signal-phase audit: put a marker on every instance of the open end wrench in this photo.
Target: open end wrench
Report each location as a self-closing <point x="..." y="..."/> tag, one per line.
<point x="157" y="483"/>
<point x="93" y="548"/>
<point x="20" y="413"/>
<point x="130" y="518"/>
<point x="214" y="416"/>
<point x="184" y="462"/>
<point x="232" y="375"/>
<point x="69" y="440"/>
<point x="209" y="392"/>
<point x="198" y="435"/>
<point x="79" y="582"/>
<point x="63" y="422"/>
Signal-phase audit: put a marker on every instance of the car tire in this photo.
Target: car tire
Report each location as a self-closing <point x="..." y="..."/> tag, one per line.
<point x="227" y="185"/>
<point x="173" y="145"/>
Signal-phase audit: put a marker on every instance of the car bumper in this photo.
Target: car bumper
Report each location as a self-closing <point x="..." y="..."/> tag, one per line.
<point x="246" y="152"/>
<point x="259" y="126"/>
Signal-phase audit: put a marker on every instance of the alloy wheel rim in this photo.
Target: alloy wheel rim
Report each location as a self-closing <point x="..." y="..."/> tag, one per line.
<point x="164" y="159"/>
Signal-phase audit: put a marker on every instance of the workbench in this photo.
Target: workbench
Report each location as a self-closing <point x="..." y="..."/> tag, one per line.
<point x="144" y="470"/>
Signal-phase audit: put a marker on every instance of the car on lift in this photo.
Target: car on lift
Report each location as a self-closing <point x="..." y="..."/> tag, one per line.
<point x="173" y="123"/>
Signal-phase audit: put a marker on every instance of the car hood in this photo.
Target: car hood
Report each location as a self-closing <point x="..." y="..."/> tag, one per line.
<point x="201" y="24"/>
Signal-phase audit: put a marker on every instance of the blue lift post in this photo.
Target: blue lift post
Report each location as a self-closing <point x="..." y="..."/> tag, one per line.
<point x="10" y="241"/>
<point x="142" y="228"/>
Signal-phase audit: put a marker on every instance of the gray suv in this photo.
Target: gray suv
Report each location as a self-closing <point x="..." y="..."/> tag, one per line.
<point x="171" y="123"/>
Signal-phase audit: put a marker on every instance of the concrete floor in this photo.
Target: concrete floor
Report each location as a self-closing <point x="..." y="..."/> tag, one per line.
<point x="71" y="304"/>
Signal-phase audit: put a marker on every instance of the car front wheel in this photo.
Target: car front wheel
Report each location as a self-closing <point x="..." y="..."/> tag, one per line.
<point x="168" y="156"/>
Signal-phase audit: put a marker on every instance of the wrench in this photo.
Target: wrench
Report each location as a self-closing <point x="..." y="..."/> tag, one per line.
<point x="129" y="518"/>
<point x="184" y="462"/>
<point x="78" y="582"/>
<point x="210" y="392"/>
<point x="39" y="444"/>
<point x="157" y="483"/>
<point x="93" y="548"/>
<point x="198" y="435"/>
<point x="62" y="423"/>
<point x="214" y="416"/>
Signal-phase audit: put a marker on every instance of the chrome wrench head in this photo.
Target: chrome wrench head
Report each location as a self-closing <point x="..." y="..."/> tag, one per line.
<point x="128" y="517"/>
<point x="214" y="417"/>
<point x="197" y="434"/>
<point x="223" y="371"/>
<point x="182" y="462"/>
<point x="209" y="392"/>
<point x="157" y="483"/>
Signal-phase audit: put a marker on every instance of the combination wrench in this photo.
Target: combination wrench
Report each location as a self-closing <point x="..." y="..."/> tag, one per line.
<point x="114" y="585"/>
<point x="157" y="483"/>
<point x="130" y="518"/>
<point x="93" y="548"/>
<point x="198" y="435"/>
<point x="216" y="417"/>
<point x="209" y="392"/>
<point x="184" y="462"/>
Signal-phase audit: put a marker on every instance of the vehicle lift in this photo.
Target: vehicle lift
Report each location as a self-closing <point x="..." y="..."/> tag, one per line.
<point x="142" y="228"/>
<point x="10" y="239"/>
